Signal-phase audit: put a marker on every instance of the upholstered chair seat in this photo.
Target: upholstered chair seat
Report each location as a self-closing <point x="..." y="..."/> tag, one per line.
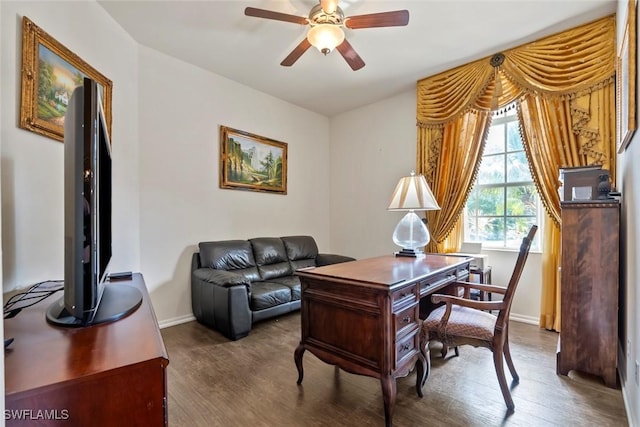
<point x="463" y="322"/>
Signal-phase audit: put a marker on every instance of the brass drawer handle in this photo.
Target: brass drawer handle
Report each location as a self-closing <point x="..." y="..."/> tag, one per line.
<point x="406" y="319"/>
<point x="405" y="293"/>
<point x="406" y="347"/>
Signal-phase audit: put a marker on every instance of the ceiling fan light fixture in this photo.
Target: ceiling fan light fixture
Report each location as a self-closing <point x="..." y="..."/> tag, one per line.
<point x="325" y="37"/>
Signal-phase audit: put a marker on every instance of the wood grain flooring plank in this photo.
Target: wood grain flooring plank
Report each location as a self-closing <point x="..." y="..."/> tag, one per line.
<point x="252" y="382"/>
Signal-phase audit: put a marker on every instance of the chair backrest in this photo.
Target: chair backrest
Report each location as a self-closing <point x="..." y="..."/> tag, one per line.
<point x="503" y="316"/>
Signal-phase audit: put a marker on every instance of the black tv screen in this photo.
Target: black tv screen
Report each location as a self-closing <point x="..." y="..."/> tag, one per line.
<point x="87" y="218"/>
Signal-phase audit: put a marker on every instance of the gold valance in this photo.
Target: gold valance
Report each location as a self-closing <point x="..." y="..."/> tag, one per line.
<point x="563" y="65"/>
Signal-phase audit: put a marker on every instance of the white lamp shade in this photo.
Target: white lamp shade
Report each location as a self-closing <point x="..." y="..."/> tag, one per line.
<point x="413" y="193"/>
<point x="325" y="37"/>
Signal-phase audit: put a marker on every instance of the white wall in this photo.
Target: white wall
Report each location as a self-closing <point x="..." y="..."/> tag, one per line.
<point x="628" y="182"/>
<point x="181" y="204"/>
<point x="526" y="302"/>
<point x="629" y="179"/>
<point x="32" y="165"/>
<point x="371" y="148"/>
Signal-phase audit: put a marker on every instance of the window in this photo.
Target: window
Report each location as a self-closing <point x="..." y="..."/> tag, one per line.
<point x="504" y="202"/>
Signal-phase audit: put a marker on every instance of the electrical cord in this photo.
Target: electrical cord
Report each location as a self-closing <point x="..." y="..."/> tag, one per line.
<point x="32" y="296"/>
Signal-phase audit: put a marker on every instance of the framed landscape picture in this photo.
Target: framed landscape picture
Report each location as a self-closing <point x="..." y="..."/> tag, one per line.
<point x="50" y="73"/>
<point x="252" y="162"/>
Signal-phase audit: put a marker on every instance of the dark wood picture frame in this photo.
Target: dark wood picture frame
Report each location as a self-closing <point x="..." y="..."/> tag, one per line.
<point x="252" y="162"/>
<point x="626" y="80"/>
<point x="49" y="74"/>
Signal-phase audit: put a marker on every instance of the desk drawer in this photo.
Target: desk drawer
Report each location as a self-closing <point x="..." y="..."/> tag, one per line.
<point x="406" y="348"/>
<point x="406" y="320"/>
<point x="404" y="296"/>
<point x="438" y="282"/>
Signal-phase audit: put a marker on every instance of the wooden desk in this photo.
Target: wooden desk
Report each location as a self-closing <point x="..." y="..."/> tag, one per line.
<point x="362" y="316"/>
<point x="104" y="375"/>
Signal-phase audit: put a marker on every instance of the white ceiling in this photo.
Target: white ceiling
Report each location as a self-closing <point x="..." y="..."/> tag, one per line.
<point x="217" y="36"/>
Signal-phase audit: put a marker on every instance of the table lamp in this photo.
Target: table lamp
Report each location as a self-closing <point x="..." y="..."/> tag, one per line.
<point x="412" y="194"/>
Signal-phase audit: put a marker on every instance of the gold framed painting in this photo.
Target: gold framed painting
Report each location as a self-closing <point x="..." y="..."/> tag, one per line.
<point x="50" y="73"/>
<point x="626" y="80"/>
<point x="252" y="162"/>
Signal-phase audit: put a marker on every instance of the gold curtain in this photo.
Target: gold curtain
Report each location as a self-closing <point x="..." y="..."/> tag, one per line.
<point x="562" y="133"/>
<point x="564" y="88"/>
<point x="445" y="152"/>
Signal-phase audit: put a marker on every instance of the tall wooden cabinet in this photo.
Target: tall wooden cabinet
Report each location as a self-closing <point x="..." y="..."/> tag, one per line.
<point x="589" y="289"/>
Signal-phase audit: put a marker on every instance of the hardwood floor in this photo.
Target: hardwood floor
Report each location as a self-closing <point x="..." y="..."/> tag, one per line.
<point x="252" y="382"/>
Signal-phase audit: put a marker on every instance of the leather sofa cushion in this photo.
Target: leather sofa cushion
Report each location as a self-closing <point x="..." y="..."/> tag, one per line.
<point x="271" y="257"/>
<point x="268" y="294"/>
<point x="232" y="255"/>
<point x="301" y="250"/>
<point x="292" y="282"/>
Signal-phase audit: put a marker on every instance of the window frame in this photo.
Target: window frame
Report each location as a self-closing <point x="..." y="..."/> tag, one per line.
<point x="502" y="244"/>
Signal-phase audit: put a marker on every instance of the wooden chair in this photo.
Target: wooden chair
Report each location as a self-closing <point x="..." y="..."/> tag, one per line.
<point x="463" y="321"/>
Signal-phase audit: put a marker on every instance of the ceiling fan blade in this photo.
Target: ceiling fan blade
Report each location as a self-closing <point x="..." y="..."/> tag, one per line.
<point x="277" y="16"/>
<point x="296" y="53"/>
<point x="350" y="55"/>
<point x="329" y="6"/>
<point x="397" y="18"/>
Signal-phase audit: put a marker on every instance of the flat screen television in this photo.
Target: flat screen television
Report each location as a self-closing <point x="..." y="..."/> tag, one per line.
<point x="88" y="297"/>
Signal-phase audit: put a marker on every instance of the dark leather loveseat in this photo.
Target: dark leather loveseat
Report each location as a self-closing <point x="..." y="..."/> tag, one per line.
<point x="235" y="283"/>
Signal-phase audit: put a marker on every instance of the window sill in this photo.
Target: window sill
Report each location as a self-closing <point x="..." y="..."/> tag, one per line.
<point x="514" y="250"/>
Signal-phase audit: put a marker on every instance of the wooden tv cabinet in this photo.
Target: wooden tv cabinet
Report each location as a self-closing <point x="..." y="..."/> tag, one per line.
<point x="112" y="374"/>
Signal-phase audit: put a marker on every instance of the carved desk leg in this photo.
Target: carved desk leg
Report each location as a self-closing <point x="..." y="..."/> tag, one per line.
<point x="389" y="392"/>
<point x="425" y="357"/>
<point x="422" y="373"/>
<point x="297" y="356"/>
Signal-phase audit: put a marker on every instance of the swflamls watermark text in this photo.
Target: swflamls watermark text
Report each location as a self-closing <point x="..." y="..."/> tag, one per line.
<point x="36" y="414"/>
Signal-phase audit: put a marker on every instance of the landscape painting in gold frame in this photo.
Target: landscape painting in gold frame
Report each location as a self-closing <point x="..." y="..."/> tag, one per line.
<point x="50" y="73"/>
<point x="626" y="80"/>
<point x="252" y="162"/>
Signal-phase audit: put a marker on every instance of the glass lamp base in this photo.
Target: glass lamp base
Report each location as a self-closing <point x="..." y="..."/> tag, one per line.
<point x="411" y="253"/>
<point x="410" y="234"/>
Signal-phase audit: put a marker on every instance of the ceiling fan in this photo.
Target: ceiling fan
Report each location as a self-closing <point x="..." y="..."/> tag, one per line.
<point x="326" y="21"/>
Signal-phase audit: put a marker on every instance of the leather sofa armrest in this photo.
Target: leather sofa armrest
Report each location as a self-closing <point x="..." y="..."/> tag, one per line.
<point x="328" y="259"/>
<point x="220" y="300"/>
<point x="222" y="278"/>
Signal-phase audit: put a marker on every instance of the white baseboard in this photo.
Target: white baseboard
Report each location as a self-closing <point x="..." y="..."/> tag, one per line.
<point x="622" y="363"/>
<point x="189" y="317"/>
<point x="176" y="321"/>
<point x="627" y="408"/>
<point x="524" y="319"/>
